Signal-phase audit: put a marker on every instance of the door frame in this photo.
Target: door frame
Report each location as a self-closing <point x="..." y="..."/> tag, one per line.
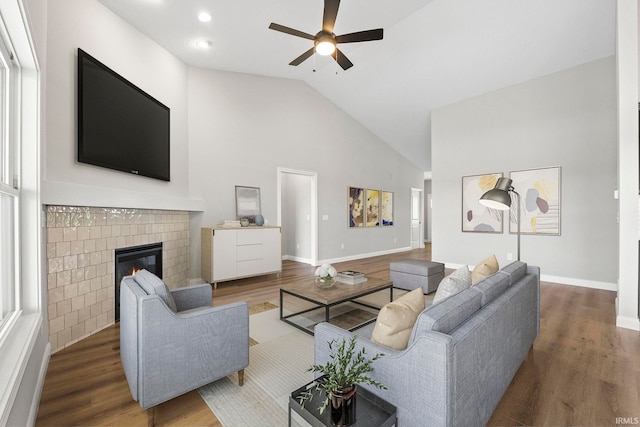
<point x="420" y="191"/>
<point x="313" y="208"/>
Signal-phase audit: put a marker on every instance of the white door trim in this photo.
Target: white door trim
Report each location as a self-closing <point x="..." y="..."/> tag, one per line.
<point x="314" y="205"/>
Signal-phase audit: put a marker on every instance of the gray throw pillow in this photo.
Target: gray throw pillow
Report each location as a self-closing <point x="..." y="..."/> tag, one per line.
<point x="453" y="283"/>
<point x="153" y="285"/>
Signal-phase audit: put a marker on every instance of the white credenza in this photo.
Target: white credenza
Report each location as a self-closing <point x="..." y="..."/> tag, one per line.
<point x="234" y="253"/>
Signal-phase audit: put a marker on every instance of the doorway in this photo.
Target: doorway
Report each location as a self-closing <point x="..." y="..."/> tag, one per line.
<point x="417" y="231"/>
<point x="297" y="214"/>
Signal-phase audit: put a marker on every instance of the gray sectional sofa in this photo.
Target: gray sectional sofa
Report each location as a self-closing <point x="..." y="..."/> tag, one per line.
<point x="462" y="354"/>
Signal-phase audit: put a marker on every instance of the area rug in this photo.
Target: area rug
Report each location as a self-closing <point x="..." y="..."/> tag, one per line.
<point x="277" y="366"/>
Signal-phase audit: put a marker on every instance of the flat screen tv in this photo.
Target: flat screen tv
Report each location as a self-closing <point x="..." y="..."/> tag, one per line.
<point x="120" y="126"/>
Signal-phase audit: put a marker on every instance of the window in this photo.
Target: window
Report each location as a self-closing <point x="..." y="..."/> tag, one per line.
<point x="9" y="193"/>
<point x="23" y="330"/>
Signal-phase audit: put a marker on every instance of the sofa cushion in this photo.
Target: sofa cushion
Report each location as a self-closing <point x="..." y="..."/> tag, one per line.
<point x="453" y="283"/>
<point x="484" y="269"/>
<point x="153" y="285"/>
<point x="396" y="319"/>
<point x="492" y="286"/>
<point x="449" y="314"/>
<point x="516" y="270"/>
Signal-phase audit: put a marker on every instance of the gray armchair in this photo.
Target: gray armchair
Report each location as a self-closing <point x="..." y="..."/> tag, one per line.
<point x="174" y="341"/>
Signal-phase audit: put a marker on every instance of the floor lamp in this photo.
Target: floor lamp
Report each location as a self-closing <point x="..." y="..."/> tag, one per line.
<point x="499" y="198"/>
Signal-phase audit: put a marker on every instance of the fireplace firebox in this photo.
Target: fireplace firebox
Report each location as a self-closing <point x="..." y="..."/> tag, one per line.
<point x="134" y="258"/>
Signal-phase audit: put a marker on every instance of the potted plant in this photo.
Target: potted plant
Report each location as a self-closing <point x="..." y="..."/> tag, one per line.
<point x="340" y="378"/>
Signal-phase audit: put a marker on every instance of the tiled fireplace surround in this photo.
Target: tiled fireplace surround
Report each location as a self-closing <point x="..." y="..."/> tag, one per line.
<point x="81" y="243"/>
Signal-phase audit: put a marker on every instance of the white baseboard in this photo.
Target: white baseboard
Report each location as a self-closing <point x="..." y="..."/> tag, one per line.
<point x="628" y="323"/>
<point x="606" y="286"/>
<point x="35" y="403"/>
<point x="572" y="281"/>
<point x="297" y="259"/>
<point x="367" y="255"/>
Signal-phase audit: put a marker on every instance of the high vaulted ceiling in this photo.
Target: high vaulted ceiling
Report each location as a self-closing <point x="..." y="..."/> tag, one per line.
<point x="434" y="52"/>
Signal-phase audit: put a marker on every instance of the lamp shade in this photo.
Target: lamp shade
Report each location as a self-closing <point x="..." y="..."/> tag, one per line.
<point x="498" y="197"/>
<point x="325" y="46"/>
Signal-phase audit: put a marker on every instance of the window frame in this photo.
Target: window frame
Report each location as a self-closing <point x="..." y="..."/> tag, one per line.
<point x="9" y="178"/>
<point x="24" y="337"/>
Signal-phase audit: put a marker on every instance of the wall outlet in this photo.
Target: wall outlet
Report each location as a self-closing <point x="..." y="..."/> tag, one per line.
<point x="509" y="256"/>
<point x="297" y="245"/>
<point x="395" y="240"/>
<point x="341" y="245"/>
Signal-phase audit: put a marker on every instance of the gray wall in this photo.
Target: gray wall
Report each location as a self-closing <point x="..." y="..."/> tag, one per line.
<point x="243" y="127"/>
<point x="565" y="119"/>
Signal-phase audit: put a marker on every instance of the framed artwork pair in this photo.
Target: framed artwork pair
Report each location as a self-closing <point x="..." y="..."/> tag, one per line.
<point x="369" y="208"/>
<point x="540" y="208"/>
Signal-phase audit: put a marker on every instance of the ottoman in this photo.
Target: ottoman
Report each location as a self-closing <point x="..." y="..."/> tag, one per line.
<point x="411" y="274"/>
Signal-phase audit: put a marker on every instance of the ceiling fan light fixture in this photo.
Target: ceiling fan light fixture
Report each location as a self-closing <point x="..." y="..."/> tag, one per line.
<point x="325" y="46"/>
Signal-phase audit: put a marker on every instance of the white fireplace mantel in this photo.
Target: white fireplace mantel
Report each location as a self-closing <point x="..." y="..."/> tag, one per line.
<point x="71" y="194"/>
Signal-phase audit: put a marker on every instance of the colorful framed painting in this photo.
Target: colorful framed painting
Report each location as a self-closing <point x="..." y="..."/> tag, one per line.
<point x="386" y="205"/>
<point x="373" y="208"/>
<point x="540" y="191"/>
<point x="475" y="216"/>
<point x="356" y="207"/>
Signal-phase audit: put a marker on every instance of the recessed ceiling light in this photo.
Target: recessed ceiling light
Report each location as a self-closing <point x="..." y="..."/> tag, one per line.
<point x="204" y="17"/>
<point x="203" y="43"/>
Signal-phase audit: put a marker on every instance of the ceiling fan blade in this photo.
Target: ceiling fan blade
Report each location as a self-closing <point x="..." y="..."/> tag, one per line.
<point x="360" y="36"/>
<point x="291" y="31"/>
<point x="330" y="15"/>
<point x="302" y="57"/>
<point x="342" y="60"/>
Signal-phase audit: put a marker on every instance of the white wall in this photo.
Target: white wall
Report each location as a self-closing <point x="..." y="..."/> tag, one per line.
<point x="243" y="127"/>
<point x="88" y="25"/>
<point x="565" y="119"/>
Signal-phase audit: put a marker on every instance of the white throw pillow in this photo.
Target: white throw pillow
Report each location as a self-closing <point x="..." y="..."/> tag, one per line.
<point x="484" y="269"/>
<point x="396" y="319"/>
<point x="452" y="284"/>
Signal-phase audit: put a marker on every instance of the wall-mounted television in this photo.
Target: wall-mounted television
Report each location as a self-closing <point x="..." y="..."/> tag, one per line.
<point x="120" y="126"/>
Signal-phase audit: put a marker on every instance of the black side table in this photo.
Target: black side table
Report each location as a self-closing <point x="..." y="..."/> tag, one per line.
<point x="371" y="410"/>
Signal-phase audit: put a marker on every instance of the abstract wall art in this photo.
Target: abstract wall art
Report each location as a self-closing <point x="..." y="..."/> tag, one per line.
<point x="356" y="207"/>
<point x="539" y="191"/>
<point x="247" y="203"/>
<point x="476" y="217"/>
<point x="386" y="202"/>
<point x="373" y="208"/>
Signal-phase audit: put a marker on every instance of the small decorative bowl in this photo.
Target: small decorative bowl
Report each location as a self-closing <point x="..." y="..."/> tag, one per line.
<point x="325" y="283"/>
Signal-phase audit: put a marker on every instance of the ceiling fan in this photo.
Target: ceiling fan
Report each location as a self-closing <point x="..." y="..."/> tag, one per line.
<point x="325" y="41"/>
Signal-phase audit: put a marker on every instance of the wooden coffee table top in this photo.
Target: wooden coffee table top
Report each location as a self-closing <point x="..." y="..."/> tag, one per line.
<point x="340" y="292"/>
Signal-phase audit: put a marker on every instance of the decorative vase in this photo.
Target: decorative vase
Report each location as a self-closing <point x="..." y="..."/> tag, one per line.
<point x="259" y="220"/>
<point x="325" y="283"/>
<point x="343" y="406"/>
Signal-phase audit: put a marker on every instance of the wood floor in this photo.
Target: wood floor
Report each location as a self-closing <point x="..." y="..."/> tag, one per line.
<point x="582" y="371"/>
